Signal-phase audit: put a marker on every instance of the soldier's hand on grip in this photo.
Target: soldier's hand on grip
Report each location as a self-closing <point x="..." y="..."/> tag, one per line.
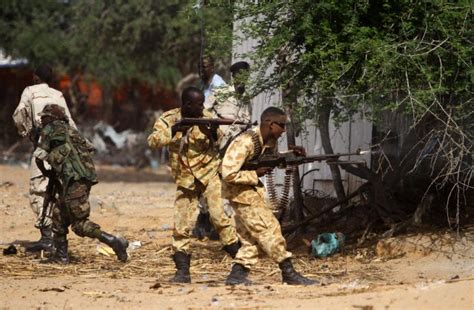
<point x="177" y="127"/>
<point x="263" y="170"/>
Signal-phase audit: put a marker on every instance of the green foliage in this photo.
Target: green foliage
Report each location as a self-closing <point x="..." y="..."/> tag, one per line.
<point x="371" y="56"/>
<point x="114" y="40"/>
<point x="363" y="55"/>
<point x="34" y="30"/>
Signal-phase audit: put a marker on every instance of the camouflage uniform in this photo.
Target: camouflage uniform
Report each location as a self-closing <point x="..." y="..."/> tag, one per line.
<point x="225" y="104"/>
<point x="68" y="153"/>
<point x="195" y="167"/>
<point x="256" y="224"/>
<point x="26" y="118"/>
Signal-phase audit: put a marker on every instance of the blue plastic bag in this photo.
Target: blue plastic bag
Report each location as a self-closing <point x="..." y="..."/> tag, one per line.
<point x="327" y="244"/>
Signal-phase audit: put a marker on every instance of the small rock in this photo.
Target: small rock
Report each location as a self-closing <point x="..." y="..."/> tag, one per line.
<point x="165" y="227"/>
<point x="152" y="234"/>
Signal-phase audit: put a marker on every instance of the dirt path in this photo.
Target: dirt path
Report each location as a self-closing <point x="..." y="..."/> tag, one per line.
<point x="424" y="272"/>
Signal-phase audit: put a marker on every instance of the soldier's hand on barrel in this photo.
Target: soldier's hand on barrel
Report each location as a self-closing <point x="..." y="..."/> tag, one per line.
<point x="298" y="150"/>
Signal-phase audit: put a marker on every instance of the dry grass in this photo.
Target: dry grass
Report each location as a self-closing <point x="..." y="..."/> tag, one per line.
<point x="209" y="264"/>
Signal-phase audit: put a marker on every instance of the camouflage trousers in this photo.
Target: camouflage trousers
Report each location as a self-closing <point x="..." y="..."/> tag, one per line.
<point x="186" y="204"/>
<point x="257" y="227"/>
<point x="74" y="212"/>
<point x="37" y="192"/>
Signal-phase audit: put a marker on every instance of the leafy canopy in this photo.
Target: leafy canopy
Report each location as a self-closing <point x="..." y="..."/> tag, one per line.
<point x="363" y="55"/>
<point x="115" y="40"/>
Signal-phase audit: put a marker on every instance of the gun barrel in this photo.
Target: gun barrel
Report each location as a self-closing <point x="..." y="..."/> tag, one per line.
<point x="289" y="159"/>
<point x="322" y="157"/>
<point x="211" y="121"/>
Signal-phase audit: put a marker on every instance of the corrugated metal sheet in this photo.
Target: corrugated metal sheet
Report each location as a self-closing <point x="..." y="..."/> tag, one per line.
<point x="357" y="133"/>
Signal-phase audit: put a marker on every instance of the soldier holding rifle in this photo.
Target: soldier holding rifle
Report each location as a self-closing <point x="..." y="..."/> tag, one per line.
<point x="195" y="162"/>
<point x="73" y="171"/>
<point x="233" y="103"/>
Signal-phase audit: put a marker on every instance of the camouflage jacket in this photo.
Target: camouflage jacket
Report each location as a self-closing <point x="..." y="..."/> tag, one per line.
<point x="193" y="156"/>
<point x="68" y="153"/>
<point x="243" y="186"/>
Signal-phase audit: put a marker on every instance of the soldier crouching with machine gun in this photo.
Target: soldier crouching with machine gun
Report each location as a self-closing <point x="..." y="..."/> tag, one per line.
<point x="255" y="222"/>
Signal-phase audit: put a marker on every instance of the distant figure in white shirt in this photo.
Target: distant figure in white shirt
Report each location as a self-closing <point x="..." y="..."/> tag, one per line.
<point x="28" y="122"/>
<point x="210" y="81"/>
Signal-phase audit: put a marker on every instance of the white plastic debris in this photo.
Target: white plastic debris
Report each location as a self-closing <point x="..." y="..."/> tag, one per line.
<point x="134" y="245"/>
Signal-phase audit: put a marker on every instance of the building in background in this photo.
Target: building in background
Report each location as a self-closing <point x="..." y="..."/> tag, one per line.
<point x="350" y="136"/>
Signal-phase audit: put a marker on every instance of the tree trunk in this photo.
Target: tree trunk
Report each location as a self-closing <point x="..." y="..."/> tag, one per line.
<point x="107" y="105"/>
<point x="74" y="96"/>
<point x="324" y="117"/>
<point x="288" y="98"/>
<point x="298" y="197"/>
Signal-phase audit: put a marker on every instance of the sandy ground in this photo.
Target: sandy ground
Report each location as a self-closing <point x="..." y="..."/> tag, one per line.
<point x="430" y="271"/>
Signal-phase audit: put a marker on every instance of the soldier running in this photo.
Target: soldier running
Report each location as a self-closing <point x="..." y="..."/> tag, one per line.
<point x="69" y="155"/>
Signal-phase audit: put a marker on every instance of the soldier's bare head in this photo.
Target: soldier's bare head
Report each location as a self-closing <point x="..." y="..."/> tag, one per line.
<point x="272" y="123"/>
<point x="43" y="74"/>
<point x="192" y="102"/>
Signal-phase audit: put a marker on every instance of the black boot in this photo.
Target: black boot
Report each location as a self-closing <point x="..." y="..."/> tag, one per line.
<point x="204" y="228"/>
<point x="232" y="249"/>
<point x="60" y="256"/>
<point x="238" y="275"/>
<point x="118" y="244"/>
<point x="291" y="277"/>
<point x="45" y="243"/>
<point x="182" y="262"/>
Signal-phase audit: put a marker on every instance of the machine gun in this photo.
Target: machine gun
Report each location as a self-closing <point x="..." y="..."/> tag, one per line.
<point x="282" y="160"/>
<point x="187" y="122"/>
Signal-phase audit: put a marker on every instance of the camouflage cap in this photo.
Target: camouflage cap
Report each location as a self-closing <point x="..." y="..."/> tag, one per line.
<point x="55" y="111"/>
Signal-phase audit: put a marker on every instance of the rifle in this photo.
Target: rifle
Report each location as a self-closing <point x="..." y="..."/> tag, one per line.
<point x="281" y="160"/>
<point x="49" y="197"/>
<point x="208" y="122"/>
<point x="51" y="190"/>
<point x="34" y="136"/>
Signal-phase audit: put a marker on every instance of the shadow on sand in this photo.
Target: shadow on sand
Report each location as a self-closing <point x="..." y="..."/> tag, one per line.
<point x="131" y="175"/>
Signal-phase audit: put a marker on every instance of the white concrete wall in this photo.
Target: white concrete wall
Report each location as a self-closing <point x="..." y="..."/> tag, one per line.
<point x="350" y="136"/>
